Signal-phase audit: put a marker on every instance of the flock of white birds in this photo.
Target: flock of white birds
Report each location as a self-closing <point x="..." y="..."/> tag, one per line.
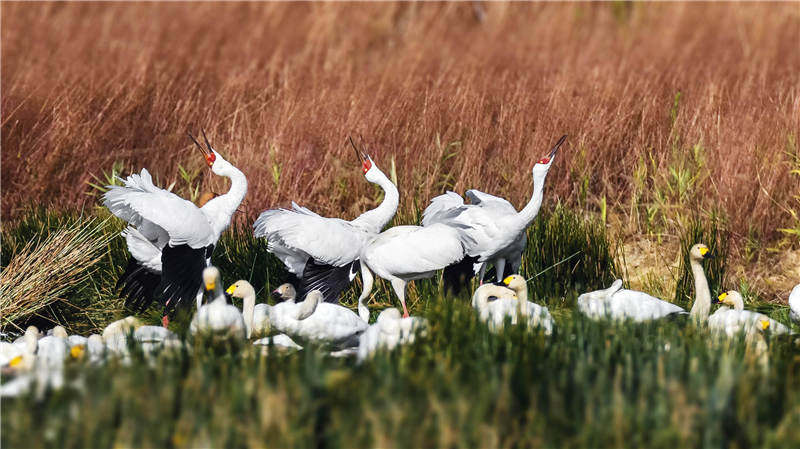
<point x="171" y="241"/>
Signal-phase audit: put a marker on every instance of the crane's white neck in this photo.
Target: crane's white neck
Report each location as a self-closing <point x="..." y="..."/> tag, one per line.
<point x="220" y="209"/>
<point x="702" y="299"/>
<point x="374" y="220"/>
<point x="529" y="212"/>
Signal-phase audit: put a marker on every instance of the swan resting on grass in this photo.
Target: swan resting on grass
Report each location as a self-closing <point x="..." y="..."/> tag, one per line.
<point x="217" y="318"/>
<point x="617" y="303"/>
<point x="794" y="304"/>
<point x="389" y="331"/>
<point x="732" y="318"/>
<point x="315" y="320"/>
<point x="495" y="303"/>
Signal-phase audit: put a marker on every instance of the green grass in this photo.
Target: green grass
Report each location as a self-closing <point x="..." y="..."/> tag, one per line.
<point x="588" y="385"/>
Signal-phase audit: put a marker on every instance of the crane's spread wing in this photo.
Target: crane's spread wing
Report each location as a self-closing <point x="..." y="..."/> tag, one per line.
<point x="295" y="236"/>
<point x="442" y="208"/>
<point x="138" y="285"/>
<point x="142" y="205"/>
<point x="328" y="279"/>
<point x="408" y="251"/>
<point x="481" y="199"/>
<point x="182" y="275"/>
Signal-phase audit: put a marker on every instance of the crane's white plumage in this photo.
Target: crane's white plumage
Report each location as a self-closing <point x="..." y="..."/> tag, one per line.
<point x="732" y="319"/>
<point x="617" y="303"/>
<point x="170" y="239"/>
<point x="323" y="251"/>
<point x="794" y="304"/>
<point x="404" y="253"/>
<point x="495" y="228"/>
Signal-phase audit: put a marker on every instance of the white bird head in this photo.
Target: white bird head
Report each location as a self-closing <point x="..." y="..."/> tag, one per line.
<point x="210" y="278"/>
<point x="217" y="164"/>
<point x="541" y="167"/>
<point x="731" y="298"/>
<point x="240" y="289"/>
<point x="371" y="171"/>
<point x="699" y="252"/>
<point x="285" y="292"/>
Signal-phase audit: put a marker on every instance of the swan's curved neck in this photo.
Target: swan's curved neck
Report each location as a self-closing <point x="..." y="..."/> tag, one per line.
<point x="306" y="308"/>
<point x="374" y="220"/>
<point x="738" y="303"/>
<point x="220" y="209"/>
<point x="529" y="212"/>
<point x="702" y="298"/>
<point x="249" y="310"/>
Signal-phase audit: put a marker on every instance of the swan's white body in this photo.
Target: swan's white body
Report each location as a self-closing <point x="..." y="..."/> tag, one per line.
<point x="317" y="321"/>
<point x="299" y="235"/>
<point x="495" y="229"/>
<point x="405" y="253"/>
<point x="495" y="304"/>
<point x="732" y="321"/>
<point x="218" y="317"/>
<point x="281" y="341"/>
<point x="794" y="304"/>
<point x="617" y="303"/>
<point x="169" y="236"/>
<point x="389" y="331"/>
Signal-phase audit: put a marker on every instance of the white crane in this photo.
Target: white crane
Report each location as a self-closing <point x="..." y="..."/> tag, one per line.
<point x="794" y="304"/>
<point x="170" y="239"/>
<point x="494" y="225"/>
<point x="404" y="253"/>
<point x="732" y="318"/>
<point x="323" y="252"/>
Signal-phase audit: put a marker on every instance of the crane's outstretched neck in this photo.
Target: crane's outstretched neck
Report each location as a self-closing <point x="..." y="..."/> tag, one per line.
<point x="374" y="220"/>
<point x="702" y="298"/>
<point x="529" y="212"/>
<point x="220" y="209"/>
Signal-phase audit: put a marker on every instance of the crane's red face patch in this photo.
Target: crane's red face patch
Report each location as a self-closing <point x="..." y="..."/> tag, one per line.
<point x="210" y="158"/>
<point x="367" y="164"/>
<point x="544" y="160"/>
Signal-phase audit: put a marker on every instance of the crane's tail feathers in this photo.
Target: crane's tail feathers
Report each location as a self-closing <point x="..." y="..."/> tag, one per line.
<point x="138" y="285"/>
<point x="182" y="274"/>
<point x="456" y="277"/>
<point x="328" y="279"/>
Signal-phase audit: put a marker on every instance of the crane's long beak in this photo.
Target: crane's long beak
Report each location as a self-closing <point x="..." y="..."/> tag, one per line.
<point x="355" y="149"/>
<point x="557" y="146"/>
<point x="204" y="151"/>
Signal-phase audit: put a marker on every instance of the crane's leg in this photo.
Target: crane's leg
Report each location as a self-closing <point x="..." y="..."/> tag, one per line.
<point x="500" y="268"/>
<point x="368" y="280"/>
<point x="165" y="318"/>
<point x="399" y="286"/>
<point x="481" y="273"/>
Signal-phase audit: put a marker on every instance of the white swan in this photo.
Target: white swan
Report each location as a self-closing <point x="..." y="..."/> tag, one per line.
<point x="794" y="304"/>
<point x="280" y="341"/>
<point x="218" y="317"/>
<point x="617" y="303"/>
<point x="124" y="326"/>
<point x="315" y="320"/>
<point x="734" y="320"/>
<point x="496" y="303"/>
<point x="255" y="316"/>
<point x="20" y="354"/>
<point x="389" y="331"/>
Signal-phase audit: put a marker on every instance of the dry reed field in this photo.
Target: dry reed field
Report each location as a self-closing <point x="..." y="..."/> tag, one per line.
<point x="682" y="120"/>
<point x="458" y="96"/>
